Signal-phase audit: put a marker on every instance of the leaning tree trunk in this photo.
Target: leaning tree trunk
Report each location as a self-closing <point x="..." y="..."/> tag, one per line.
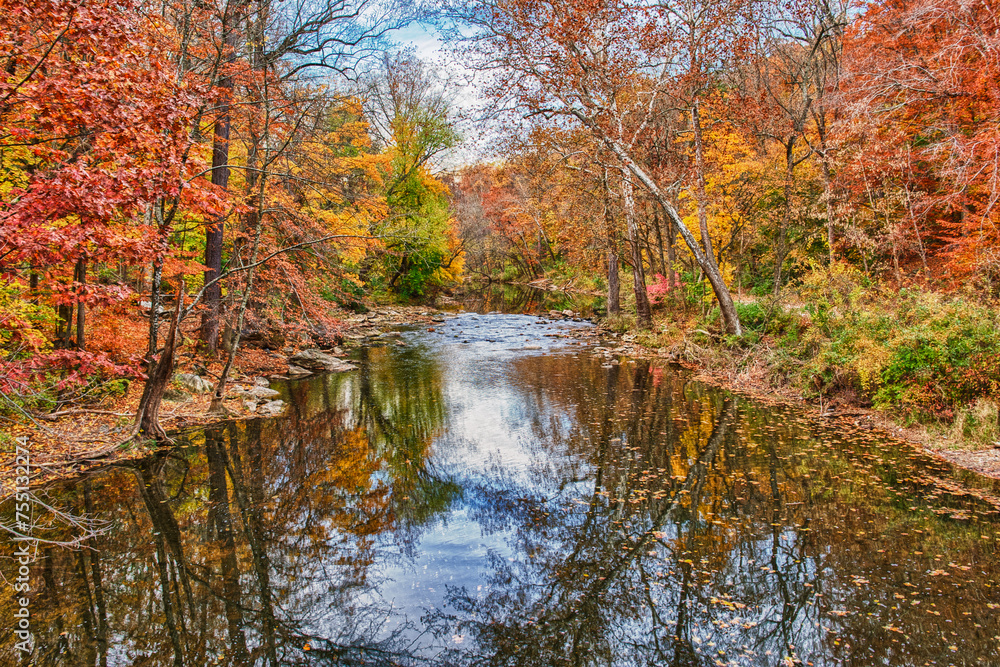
<point x="147" y="419"/>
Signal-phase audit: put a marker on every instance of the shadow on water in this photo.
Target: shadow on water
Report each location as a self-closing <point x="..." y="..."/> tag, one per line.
<point x="458" y="504"/>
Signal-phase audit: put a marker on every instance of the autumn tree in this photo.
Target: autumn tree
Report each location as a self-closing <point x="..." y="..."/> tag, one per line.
<point x="78" y="179"/>
<point x="605" y="65"/>
<point x="410" y="114"/>
<point x="919" y="90"/>
<point x="233" y="45"/>
<point x="785" y="90"/>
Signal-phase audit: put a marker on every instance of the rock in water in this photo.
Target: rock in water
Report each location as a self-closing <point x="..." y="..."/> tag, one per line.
<point x="263" y="392"/>
<point x="316" y="360"/>
<point x="193" y="383"/>
<point x="271" y="408"/>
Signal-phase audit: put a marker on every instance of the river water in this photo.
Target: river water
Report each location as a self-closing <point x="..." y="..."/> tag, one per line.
<point x="496" y="490"/>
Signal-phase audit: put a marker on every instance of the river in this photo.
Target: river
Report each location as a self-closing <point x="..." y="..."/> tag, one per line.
<point x="497" y="490"/>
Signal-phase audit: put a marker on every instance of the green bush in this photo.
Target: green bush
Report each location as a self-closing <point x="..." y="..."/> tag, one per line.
<point x="922" y="354"/>
<point x="752" y="315"/>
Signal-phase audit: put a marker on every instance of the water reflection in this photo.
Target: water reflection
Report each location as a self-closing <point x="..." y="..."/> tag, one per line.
<point x="482" y="504"/>
<point x="507" y="298"/>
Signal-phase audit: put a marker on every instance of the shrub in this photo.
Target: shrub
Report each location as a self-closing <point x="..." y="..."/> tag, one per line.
<point x="920" y="353"/>
<point x="659" y="290"/>
<point x="752" y="315"/>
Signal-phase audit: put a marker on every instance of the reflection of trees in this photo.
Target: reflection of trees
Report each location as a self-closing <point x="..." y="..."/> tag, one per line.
<point x="705" y="535"/>
<point x="251" y="543"/>
<point x="554" y="608"/>
<point x="507" y="298"/>
<point x="661" y="523"/>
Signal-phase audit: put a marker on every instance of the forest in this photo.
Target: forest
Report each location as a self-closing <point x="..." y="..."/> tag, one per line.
<point x="798" y="193"/>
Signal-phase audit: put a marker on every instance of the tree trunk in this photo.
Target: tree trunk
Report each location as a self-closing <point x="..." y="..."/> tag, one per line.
<point x="700" y="194"/>
<point x="212" y="298"/>
<point x="158" y="376"/>
<point x="671" y="256"/>
<point x="781" y="243"/>
<point x="81" y="317"/>
<point x="64" y="324"/>
<point x="614" y="286"/>
<point x="644" y="317"/>
<point x="659" y="243"/>
<point x="828" y="196"/>
<point x="254" y="218"/>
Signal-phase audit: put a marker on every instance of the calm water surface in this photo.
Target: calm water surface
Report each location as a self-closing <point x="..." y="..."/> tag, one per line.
<point x="494" y="492"/>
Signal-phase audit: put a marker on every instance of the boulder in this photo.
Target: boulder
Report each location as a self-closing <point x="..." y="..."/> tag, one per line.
<point x="271" y="408"/>
<point x="259" y="392"/>
<point x="316" y="360"/>
<point x="176" y="395"/>
<point x="193" y="383"/>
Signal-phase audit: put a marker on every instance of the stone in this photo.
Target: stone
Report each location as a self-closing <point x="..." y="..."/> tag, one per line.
<point x="316" y="360"/>
<point x="532" y="347"/>
<point x="297" y="371"/>
<point x="312" y="359"/>
<point x="251" y="406"/>
<point x="261" y="382"/>
<point x="272" y="408"/>
<point x="193" y="383"/>
<point x="263" y="392"/>
<point x="148" y="306"/>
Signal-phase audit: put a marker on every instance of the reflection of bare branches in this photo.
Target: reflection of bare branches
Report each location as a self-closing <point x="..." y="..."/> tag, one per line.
<point x="83" y="528"/>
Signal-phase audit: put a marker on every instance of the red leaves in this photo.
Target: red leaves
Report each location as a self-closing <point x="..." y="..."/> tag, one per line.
<point x="71" y="367"/>
<point x="922" y="107"/>
<point x="105" y="122"/>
